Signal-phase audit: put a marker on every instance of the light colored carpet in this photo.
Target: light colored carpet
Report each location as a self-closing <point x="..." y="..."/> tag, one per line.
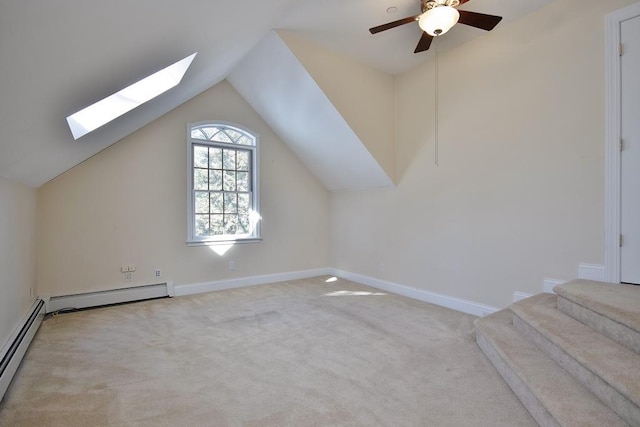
<point x="618" y="302"/>
<point x="300" y="353"/>
<point x="552" y="395"/>
<point x="612" y="310"/>
<point x="607" y="368"/>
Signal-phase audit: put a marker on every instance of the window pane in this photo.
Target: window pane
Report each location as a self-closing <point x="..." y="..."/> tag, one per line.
<point x="230" y="224"/>
<point x="229" y="159"/>
<point x="243" y="181"/>
<point x="200" y="156"/>
<point x="233" y="134"/>
<point x="245" y="140"/>
<point x="202" y="202"/>
<point x="216" y="203"/>
<point x="198" y="134"/>
<point x="215" y="158"/>
<point x="202" y="225"/>
<point x="230" y="203"/>
<point x="242" y="163"/>
<point x="222" y="137"/>
<point x="200" y="179"/>
<point x="244" y="204"/>
<point x="209" y="132"/>
<point x="217" y="225"/>
<point x="229" y="181"/>
<point x="215" y="180"/>
<point x="243" y="224"/>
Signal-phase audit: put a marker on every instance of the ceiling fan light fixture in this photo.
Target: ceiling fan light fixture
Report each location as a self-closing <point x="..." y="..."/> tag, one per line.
<point x="438" y="20"/>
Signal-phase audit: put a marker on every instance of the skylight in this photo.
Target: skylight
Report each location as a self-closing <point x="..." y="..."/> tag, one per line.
<point x="111" y="107"/>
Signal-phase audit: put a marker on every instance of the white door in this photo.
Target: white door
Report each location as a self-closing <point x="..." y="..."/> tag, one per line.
<point x="630" y="155"/>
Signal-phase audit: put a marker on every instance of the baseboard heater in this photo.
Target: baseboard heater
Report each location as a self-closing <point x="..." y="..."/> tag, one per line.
<point x="18" y="344"/>
<point x="110" y="297"/>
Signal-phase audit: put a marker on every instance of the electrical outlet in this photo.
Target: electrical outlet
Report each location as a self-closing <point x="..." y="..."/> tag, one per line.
<point x="232" y="265"/>
<point x="128" y="276"/>
<point x="158" y="272"/>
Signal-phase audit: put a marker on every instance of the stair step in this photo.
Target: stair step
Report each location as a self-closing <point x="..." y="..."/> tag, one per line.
<point x="613" y="310"/>
<point x="610" y="370"/>
<point x="550" y="394"/>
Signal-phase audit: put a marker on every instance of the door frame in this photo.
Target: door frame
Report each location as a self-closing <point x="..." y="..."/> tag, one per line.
<point x="613" y="119"/>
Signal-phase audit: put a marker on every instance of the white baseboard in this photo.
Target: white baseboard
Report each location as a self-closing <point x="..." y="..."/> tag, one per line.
<point x="549" y="284"/>
<point x="517" y="296"/>
<point x="453" y="303"/>
<point x="16" y="346"/>
<point x="219" y="285"/>
<point x="591" y="272"/>
<point x="114" y="296"/>
<point x="547" y="287"/>
<point x="458" y="304"/>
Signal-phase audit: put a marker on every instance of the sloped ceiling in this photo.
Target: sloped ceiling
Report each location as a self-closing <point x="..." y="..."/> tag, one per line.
<point x="57" y="57"/>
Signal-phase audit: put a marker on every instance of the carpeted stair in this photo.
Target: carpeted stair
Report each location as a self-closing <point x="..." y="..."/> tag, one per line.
<point x="573" y="359"/>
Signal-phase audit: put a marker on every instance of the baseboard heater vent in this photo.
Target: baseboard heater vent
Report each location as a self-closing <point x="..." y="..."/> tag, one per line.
<point x="110" y="297"/>
<point x="18" y="344"/>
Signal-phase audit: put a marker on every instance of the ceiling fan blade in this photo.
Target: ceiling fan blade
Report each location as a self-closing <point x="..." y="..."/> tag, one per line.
<point x="462" y="2"/>
<point x="390" y="25"/>
<point x="424" y="43"/>
<point x="479" y="20"/>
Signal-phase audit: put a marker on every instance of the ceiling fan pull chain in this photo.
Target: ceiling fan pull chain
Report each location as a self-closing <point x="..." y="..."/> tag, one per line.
<point x="436" y="120"/>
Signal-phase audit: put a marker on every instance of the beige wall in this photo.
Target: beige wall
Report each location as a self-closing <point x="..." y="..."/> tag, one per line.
<point x="17" y="254"/>
<point x="519" y="191"/>
<point x="127" y="206"/>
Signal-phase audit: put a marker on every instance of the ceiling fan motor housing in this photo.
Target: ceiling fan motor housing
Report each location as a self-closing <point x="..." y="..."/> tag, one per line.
<point x="430" y="4"/>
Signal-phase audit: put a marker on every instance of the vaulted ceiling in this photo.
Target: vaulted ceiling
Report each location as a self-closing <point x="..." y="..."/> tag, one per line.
<point x="57" y="57"/>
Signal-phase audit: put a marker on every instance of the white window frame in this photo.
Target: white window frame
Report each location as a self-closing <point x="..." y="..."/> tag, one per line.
<point x="255" y="235"/>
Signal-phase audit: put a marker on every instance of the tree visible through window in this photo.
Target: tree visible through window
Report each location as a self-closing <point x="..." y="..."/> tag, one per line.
<point x="223" y="193"/>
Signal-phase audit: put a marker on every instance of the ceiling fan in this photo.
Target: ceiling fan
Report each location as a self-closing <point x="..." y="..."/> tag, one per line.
<point x="438" y="17"/>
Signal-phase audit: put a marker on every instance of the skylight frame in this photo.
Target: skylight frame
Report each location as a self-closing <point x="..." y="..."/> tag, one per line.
<point x="110" y="108"/>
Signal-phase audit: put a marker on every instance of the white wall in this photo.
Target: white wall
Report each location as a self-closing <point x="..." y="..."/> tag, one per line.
<point x="519" y="191"/>
<point x="127" y="206"/>
<point x="17" y="254"/>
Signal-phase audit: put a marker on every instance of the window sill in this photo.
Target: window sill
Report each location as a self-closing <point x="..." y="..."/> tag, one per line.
<point x="223" y="242"/>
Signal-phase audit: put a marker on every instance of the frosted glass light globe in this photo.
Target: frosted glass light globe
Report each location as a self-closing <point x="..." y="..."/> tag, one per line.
<point x="438" y="20"/>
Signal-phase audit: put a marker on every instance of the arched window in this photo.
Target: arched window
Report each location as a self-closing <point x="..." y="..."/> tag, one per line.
<point x="223" y="184"/>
